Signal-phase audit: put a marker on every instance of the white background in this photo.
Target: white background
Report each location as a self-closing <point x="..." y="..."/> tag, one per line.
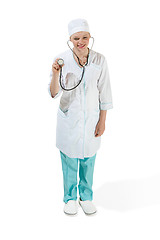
<point x="127" y="169"/>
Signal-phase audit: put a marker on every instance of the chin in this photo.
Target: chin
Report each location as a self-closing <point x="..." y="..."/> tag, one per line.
<point x="82" y="49"/>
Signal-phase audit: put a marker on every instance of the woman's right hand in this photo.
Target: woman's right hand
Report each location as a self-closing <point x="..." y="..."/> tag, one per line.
<point x="55" y="67"/>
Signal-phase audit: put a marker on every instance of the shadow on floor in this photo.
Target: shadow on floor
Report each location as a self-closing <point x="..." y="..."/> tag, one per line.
<point x="129" y="194"/>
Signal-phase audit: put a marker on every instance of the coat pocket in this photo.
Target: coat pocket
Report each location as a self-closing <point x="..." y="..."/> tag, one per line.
<point x="62" y="129"/>
<point x="63" y="114"/>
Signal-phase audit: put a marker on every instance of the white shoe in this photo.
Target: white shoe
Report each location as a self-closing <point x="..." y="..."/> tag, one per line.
<point x="88" y="207"/>
<point x="71" y="207"/>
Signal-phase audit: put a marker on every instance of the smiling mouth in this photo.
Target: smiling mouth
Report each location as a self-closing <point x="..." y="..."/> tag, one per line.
<point x="81" y="46"/>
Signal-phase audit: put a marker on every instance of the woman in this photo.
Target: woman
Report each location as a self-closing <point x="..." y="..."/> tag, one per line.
<point x="81" y="114"/>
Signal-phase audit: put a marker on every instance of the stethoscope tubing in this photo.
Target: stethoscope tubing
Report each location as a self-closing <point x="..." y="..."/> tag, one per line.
<point x="83" y="66"/>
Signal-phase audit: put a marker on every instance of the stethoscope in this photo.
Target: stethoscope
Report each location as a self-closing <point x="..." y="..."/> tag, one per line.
<point x="61" y="62"/>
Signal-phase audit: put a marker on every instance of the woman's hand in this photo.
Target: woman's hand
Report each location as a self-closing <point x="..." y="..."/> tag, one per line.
<point x="100" y="128"/>
<point x="55" y="67"/>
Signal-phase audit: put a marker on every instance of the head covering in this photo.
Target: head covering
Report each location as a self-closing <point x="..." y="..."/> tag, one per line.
<point x="78" y="25"/>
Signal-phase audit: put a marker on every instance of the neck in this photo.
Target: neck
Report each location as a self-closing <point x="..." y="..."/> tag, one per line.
<point x="81" y="54"/>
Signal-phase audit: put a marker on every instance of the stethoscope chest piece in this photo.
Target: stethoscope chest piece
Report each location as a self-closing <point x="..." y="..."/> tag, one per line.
<point x="60" y="62"/>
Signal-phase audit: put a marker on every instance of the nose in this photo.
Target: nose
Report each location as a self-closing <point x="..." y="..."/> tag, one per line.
<point x="81" y="41"/>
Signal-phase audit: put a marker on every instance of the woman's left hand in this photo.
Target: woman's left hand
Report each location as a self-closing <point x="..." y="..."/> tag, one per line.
<point x="100" y="128"/>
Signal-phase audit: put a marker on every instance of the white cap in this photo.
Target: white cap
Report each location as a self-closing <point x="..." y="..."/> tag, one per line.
<point x="78" y="25"/>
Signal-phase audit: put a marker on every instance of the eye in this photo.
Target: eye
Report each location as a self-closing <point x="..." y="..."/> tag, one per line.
<point x="85" y="37"/>
<point x="76" y="39"/>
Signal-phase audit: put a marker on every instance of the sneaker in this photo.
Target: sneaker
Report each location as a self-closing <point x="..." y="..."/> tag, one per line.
<point x="71" y="207"/>
<point x="88" y="207"/>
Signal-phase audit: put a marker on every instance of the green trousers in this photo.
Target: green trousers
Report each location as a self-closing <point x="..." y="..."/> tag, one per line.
<point x="70" y="169"/>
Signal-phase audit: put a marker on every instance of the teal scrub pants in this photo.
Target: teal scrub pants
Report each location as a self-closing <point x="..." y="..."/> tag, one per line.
<point x="70" y="169"/>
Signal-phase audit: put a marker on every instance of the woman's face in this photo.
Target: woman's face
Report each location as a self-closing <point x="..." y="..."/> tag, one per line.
<point x="80" y="40"/>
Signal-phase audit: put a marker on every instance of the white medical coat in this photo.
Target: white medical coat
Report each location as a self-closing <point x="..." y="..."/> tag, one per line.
<point x="79" y="109"/>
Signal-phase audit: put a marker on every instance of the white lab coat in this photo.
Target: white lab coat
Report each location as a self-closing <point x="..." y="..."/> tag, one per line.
<point x="79" y="109"/>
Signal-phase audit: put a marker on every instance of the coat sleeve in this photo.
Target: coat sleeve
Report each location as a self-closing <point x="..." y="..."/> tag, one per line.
<point x="60" y="89"/>
<point x="104" y="87"/>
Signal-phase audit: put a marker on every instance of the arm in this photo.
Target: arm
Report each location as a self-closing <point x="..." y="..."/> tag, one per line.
<point x="105" y="98"/>
<point x="100" y="127"/>
<point x="54" y="87"/>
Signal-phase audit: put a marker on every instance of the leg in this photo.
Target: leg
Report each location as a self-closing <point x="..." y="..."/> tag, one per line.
<point x="86" y="168"/>
<point x="69" y="168"/>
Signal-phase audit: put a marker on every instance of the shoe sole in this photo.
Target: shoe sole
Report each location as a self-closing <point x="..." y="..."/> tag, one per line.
<point x="70" y="214"/>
